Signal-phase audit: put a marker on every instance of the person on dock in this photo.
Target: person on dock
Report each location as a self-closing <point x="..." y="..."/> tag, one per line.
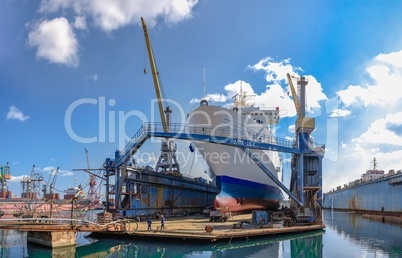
<point x="149" y="221"/>
<point x="162" y="222"/>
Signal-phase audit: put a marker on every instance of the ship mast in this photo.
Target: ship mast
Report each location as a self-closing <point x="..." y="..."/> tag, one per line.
<point x="375" y="163"/>
<point x="203" y="83"/>
<point x="240" y="99"/>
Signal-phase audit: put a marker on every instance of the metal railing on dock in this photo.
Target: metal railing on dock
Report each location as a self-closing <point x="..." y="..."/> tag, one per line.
<point x="63" y="224"/>
<point x="227" y="135"/>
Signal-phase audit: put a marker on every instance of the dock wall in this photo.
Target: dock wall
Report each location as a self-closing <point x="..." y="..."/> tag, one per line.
<point x="383" y="195"/>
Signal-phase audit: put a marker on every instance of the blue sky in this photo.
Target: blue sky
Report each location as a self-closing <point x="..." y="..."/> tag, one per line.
<point x="58" y="53"/>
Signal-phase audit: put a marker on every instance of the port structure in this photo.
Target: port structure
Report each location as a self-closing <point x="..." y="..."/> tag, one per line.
<point x="4" y="176"/>
<point x="306" y="178"/>
<point x="31" y="186"/>
<point x="309" y="156"/>
<point x="306" y="166"/>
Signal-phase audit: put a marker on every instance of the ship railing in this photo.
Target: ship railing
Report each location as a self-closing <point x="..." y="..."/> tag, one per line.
<point x="141" y="132"/>
<point x="219" y="134"/>
<point x="61" y="221"/>
<point x="222" y="133"/>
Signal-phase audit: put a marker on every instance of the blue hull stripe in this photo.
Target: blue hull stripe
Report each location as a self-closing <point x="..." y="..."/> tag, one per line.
<point x="239" y="188"/>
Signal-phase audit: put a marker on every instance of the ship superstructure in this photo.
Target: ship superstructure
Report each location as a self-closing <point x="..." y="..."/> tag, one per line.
<point x="242" y="183"/>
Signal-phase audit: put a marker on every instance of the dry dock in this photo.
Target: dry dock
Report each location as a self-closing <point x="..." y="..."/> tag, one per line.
<point x="194" y="228"/>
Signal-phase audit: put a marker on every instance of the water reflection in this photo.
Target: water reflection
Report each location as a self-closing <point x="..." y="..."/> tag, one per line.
<point x="301" y="245"/>
<point x="346" y="235"/>
<point x="13" y="244"/>
<point x="297" y="245"/>
<point x="372" y="237"/>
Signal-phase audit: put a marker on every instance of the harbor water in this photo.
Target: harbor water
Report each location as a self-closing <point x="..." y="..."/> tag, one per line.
<point x="345" y="235"/>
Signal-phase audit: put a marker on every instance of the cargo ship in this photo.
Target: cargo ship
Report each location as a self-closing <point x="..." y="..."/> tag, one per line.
<point x="241" y="182"/>
<point x="375" y="191"/>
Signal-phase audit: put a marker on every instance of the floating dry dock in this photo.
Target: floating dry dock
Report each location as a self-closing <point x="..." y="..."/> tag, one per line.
<point x="197" y="229"/>
<point x="222" y="231"/>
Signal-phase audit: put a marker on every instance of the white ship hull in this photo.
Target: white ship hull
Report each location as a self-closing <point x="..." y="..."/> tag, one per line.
<point x="242" y="184"/>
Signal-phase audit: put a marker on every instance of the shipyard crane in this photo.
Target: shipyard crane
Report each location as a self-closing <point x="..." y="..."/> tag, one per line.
<point x="92" y="182"/>
<point x="4" y="176"/>
<point x="52" y="184"/>
<point x="167" y="161"/>
<point x="47" y="183"/>
<point x="306" y="177"/>
<point x="304" y="125"/>
<point x="155" y="77"/>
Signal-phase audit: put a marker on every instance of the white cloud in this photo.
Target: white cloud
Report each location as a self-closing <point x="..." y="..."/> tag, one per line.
<point x="292" y="128"/>
<point x="374" y="124"/>
<point x="386" y="130"/>
<point x="340" y="113"/>
<point x="276" y="93"/>
<point x="16" y="179"/>
<point x="61" y="172"/>
<point x="15" y="113"/>
<point x="80" y="23"/>
<point x="55" y="41"/>
<point x="94" y="77"/>
<point x="49" y="168"/>
<point x="386" y="75"/>
<point x="113" y="14"/>
<point x="276" y="71"/>
<point x="66" y="173"/>
<point x="394" y="59"/>
<point x="214" y="97"/>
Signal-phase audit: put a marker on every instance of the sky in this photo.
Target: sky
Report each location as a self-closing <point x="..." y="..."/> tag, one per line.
<point x="72" y="77"/>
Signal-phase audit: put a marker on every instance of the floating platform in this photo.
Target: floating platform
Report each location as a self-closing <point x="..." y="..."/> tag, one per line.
<point x="195" y="229"/>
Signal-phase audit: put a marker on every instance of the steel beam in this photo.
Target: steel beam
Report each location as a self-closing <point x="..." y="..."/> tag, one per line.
<point x="270" y="175"/>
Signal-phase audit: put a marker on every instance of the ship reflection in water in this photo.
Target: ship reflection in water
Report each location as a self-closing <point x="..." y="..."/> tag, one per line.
<point x="346" y="235"/>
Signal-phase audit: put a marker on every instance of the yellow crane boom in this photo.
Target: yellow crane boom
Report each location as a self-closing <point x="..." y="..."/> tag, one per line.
<point x="306" y="124"/>
<point x="155" y="77"/>
<point x="295" y="98"/>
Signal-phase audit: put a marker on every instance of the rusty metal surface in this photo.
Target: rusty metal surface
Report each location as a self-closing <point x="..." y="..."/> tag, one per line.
<point x="160" y="193"/>
<point x="378" y="195"/>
